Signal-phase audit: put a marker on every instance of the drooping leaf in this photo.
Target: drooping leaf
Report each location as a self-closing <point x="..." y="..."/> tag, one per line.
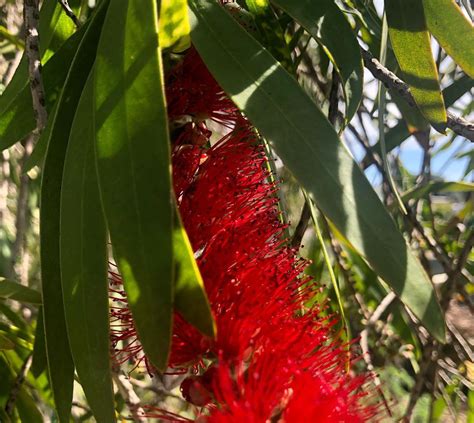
<point x="83" y="243"/>
<point x="408" y="34"/>
<point x="438" y="187"/>
<point x="190" y="296"/>
<point x="453" y="31"/>
<point x="27" y="408"/>
<point x="15" y="291"/>
<point x="174" y="25"/>
<point x="17" y="120"/>
<point x="37" y="156"/>
<point x="327" y="25"/>
<point x="61" y="367"/>
<point x="400" y="132"/>
<point x="310" y="148"/>
<point x="133" y="160"/>
<point x="39" y="364"/>
<point x="55" y="27"/>
<point x="6" y="343"/>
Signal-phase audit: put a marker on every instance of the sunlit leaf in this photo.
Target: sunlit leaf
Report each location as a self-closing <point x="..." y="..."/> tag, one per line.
<point x="408" y="34"/>
<point x="174" y="25"/>
<point x="453" y="31"/>
<point x="190" y="296"/>
<point x="133" y="158"/>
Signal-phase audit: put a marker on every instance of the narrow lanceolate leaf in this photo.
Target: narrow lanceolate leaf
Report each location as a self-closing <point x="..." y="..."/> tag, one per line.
<point x="14" y="291"/>
<point x="174" y="25"/>
<point x="438" y="187"/>
<point x="55" y="27"/>
<point x="412" y="46"/>
<point x="453" y="30"/>
<point x="400" y="132"/>
<point x="133" y="160"/>
<point x="327" y="25"/>
<point x="308" y="145"/>
<point x="60" y="362"/>
<point x="190" y="296"/>
<point x="18" y="119"/>
<point x="83" y="242"/>
<point x="6" y="343"/>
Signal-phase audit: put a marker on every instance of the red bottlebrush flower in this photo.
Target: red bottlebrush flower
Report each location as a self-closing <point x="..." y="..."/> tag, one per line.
<point x="273" y="360"/>
<point x="192" y="91"/>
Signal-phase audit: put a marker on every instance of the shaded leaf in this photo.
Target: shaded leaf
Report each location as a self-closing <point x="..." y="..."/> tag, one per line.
<point x="329" y="27"/>
<point x="39" y="364"/>
<point x="61" y="367"/>
<point x="83" y="243"/>
<point x="5" y="343"/>
<point x="55" y="27"/>
<point x="408" y="34"/>
<point x="14" y="291"/>
<point x="308" y="145"/>
<point x="453" y="31"/>
<point x="18" y="120"/>
<point x="437" y="187"/>
<point x="133" y="160"/>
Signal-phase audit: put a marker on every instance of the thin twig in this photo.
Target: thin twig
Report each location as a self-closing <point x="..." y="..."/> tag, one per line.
<point x="457" y="124"/>
<point x="25" y="368"/>
<point x="31" y="16"/>
<point x="127" y="392"/>
<point x="21" y="220"/>
<point x="364" y="344"/>
<point x="69" y="12"/>
<point x="301" y="227"/>
<point x="429" y="356"/>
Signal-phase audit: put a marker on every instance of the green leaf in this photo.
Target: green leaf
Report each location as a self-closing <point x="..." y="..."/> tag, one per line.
<point x="190" y="295"/>
<point x="55" y="27"/>
<point x="400" y="132"/>
<point x="83" y="239"/>
<point x="5" y="343"/>
<point x="133" y="160"/>
<point x="453" y="31"/>
<point x="412" y="47"/>
<point x="18" y="120"/>
<point x="60" y="362"/>
<point x="37" y="156"/>
<point x="14" y="291"/>
<point x="308" y="145"/>
<point x="329" y="27"/>
<point x="174" y="25"/>
<point x="39" y="364"/>
<point x="27" y="409"/>
<point x="437" y="187"/>
<point x="269" y="29"/>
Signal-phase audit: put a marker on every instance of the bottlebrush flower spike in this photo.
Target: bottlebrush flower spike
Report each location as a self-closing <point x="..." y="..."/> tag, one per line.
<point x="273" y="360"/>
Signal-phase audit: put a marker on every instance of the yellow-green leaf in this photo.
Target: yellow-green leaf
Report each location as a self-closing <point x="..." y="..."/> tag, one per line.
<point x="190" y="296"/>
<point x="174" y="25"/>
<point x="411" y="44"/>
<point x="452" y="29"/>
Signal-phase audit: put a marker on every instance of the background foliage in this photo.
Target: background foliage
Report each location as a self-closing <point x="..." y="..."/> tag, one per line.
<point x="374" y="156"/>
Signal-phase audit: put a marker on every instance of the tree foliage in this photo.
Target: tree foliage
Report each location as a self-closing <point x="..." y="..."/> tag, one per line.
<point x="342" y="93"/>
